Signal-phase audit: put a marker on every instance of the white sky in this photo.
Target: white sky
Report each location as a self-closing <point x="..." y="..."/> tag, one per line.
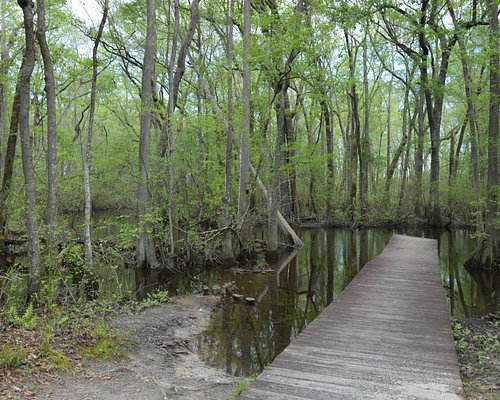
<point x="87" y="10"/>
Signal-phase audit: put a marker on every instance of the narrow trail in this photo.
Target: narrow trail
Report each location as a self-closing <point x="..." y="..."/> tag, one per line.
<point x="161" y="363"/>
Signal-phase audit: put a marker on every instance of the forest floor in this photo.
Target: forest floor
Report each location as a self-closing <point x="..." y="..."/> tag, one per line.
<point x="161" y="362"/>
<point x="477" y="341"/>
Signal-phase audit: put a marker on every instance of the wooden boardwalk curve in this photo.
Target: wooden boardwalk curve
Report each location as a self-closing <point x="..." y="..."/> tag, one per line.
<point x="386" y="336"/>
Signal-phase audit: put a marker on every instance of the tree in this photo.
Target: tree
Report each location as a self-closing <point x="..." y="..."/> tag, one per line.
<point x="169" y="131"/>
<point x="50" y="91"/>
<point x="227" y="244"/>
<point x="88" y="150"/>
<point x="145" y="249"/>
<point x="493" y="199"/>
<point x="487" y="255"/>
<point x="35" y="267"/>
<point x="244" y="151"/>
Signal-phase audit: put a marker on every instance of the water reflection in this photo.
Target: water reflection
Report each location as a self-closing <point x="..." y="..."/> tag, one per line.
<point x="242" y="339"/>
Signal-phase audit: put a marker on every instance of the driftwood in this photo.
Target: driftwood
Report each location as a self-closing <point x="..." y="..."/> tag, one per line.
<point x="283" y="223"/>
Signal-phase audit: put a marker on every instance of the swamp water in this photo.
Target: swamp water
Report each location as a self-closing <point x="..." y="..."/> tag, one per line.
<point x="291" y="291"/>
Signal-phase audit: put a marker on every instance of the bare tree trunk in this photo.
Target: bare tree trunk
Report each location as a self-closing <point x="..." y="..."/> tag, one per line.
<point x="355" y="145"/>
<point x="399" y="151"/>
<point x="471" y="109"/>
<point x="291" y="176"/>
<point x="227" y="243"/>
<point x="365" y="142"/>
<point x="291" y="140"/>
<point x="493" y="133"/>
<point x="275" y="196"/>
<point x="243" y="202"/>
<point x="493" y="126"/>
<point x="453" y="162"/>
<point x="179" y="72"/>
<point x="50" y="92"/>
<point x="170" y="132"/>
<point x="389" y="125"/>
<point x="10" y="155"/>
<point x="35" y="268"/>
<point x="394" y="162"/>
<point x="4" y="69"/>
<point x="88" y="151"/>
<point x="487" y="255"/>
<point x="145" y="250"/>
<point x="408" y="127"/>
<point x="419" y="154"/>
<point x="434" y="98"/>
<point x="325" y="109"/>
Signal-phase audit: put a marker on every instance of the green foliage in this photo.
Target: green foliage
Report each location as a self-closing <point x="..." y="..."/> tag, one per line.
<point x="459" y="334"/>
<point x="45" y="344"/>
<point x="12" y="287"/>
<point x="11" y="357"/>
<point x="28" y="320"/>
<point x="107" y="343"/>
<point x="72" y="255"/>
<point x="154" y="299"/>
<point x="59" y="359"/>
<point x="241" y="388"/>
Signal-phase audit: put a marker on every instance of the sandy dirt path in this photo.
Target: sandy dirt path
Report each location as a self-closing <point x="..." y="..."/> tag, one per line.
<point x="161" y="363"/>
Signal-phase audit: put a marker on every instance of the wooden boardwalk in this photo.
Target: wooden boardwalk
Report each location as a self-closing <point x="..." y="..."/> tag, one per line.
<point x="387" y="336"/>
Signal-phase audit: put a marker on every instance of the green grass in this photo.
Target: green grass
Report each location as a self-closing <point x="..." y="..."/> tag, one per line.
<point x="241" y="388"/>
<point x="107" y="343"/>
<point x="11" y="357"/>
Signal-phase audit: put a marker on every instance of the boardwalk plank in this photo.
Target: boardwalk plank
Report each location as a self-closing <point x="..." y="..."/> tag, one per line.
<point x="387" y="336"/>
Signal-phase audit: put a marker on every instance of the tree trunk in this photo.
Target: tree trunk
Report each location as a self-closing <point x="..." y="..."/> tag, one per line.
<point x="281" y="157"/>
<point x="275" y="196"/>
<point x="35" y="268"/>
<point x="434" y="90"/>
<point x="493" y="127"/>
<point x="365" y="142"/>
<point x="408" y="126"/>
<point x="389" y="125"/>
<point x="471" y="109"/>
<point x="10" y="155"/>
<point x="227" y="242"/>
<point x="419" y="155"/>
<point x="493" y="200"/>
<point x="487" y="255"/>
<point x="4" y="69"/>
<point x="88" y="150"/>
<point x="243" y="202"/>
<point x="355" y="145"/>
<point x="50" y="92"/>
<point x="290" y="159"/>
<point x="145" y="249"/>
<point x="329" y="151"/>
<point x="170" y="131"/>
<point x="394" y="163"/>
<point x="399" y="151"/>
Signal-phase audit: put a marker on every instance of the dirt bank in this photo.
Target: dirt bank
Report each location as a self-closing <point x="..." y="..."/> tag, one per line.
<point x="161" y="363"/>
<point x="477" y="341"/>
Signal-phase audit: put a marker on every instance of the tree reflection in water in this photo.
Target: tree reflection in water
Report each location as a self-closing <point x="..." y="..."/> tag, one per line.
<point x="243" y="339"/>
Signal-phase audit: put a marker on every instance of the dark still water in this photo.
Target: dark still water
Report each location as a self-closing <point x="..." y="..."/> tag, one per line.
<point x="243" y="339"/>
